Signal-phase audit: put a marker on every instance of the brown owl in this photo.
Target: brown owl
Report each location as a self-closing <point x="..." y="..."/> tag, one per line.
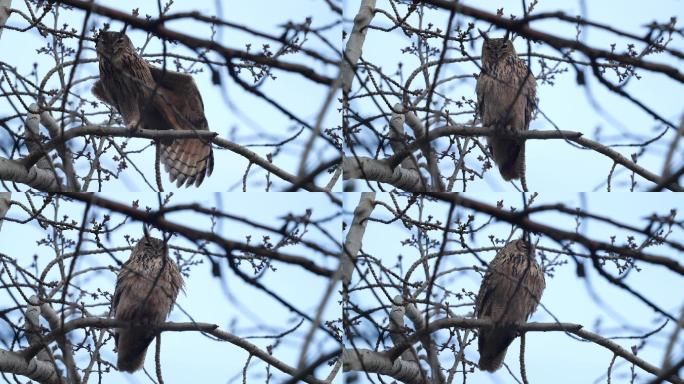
<point x="152" y="98"/>
<point x="146" y="290"/>
<point x="506" y="96"/>
<point x="509" y="293"/>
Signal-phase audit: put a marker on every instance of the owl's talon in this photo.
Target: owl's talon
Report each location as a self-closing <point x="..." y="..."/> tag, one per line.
<point x="510" y="130"/>
<point x="133" y="125"/>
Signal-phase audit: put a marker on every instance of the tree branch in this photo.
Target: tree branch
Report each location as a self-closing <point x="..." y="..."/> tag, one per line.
<point x="158" y="29"/>
<point x="354" y="48"/>
<point x="99" y="130"/>
<point x="522" y="28"/>
<point x="365" y="168"/>
<point x="577" y="329"/>
<point x="40" y="371"/>
<point x="211" y="329"/>
<point x="577" y="137"/>
<point x="41" y="179"/>
<point x="159" y="221"/>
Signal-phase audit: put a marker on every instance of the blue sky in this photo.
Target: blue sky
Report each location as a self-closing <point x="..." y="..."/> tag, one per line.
<point x="551" y="357"/>
<point x="551" y="164"/>
<point x="243" y="117"/>
<point x="244" y="311"/>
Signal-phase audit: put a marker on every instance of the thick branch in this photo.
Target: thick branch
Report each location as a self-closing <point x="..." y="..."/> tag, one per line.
<point x="40" y="371"/>
<point x="5" y="6"/>
<point x="352" y="51"/>
<point x="62" y="341"/>
<point x="41" y="179"/>
<point x="365" y="360"/>
<point x="5" y="199"/>
<point x="365" y="168"/>
<point x="33" y="140"/>
<point x="397" y="138"/>
<point x="352" y="244"/>
<point x="55" y="131"/>
<point x="428" y="152"/>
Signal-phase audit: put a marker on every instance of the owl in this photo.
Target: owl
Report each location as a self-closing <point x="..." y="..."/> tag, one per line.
<point x="509" y="293"/>
<point x="146" y="290"/>
<point x="153" y="98"/>
<point x="506" y="96"/>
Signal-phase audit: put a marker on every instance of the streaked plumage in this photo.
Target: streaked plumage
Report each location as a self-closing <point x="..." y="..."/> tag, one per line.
<point x="509" y="293"/>
<point x="146" y="290"/>
<point x="148" y="97"/>
<point x="506" y="96"/>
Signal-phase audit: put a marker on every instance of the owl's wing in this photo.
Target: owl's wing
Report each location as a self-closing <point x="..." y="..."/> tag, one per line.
<point x="187" y="161"/>
<point x="531" y="95"/>
<point x="182" y="87"/>
<point x="101" y="93"/>
<point x="123" y="284"/>
<point x="482" y="304"/>
<point x="173" y="80"/>
<point x="480" y="92"/>
<point x="488" y="287"/>
<point x="536" y="288"/>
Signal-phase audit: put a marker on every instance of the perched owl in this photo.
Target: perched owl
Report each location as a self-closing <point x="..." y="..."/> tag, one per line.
<point x="146" y="290"/>
<point x="509" y="293"/>
<point x="506" y="97"/>
<point x="151" y="98"/>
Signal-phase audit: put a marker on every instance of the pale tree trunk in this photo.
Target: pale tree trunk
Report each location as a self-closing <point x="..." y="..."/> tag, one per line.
<point x="365" y="168"/>
<point x="352" y="244"/>
<point x="419" y="131"/>
<point x="365" y="360"/>
<point x="5" y="198"/>
<point x="5" y="6"/>
<point x="41" y="179"/>
<point x="397" y="138"/>
<point x="34" y="369"/>
<point x="352" y="51"/>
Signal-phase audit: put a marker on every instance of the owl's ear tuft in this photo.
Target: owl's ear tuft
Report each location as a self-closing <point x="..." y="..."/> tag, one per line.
<point x="506" y="35"/>
<point x="483" y="34"/>
<point x="99" y="36"/>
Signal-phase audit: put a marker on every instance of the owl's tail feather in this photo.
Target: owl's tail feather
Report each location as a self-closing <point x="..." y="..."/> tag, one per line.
<point x="509" y="155"/>
<point x="131" y="348"/>
<point x="493" y="345"/>
<point x="187" y="161"/>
